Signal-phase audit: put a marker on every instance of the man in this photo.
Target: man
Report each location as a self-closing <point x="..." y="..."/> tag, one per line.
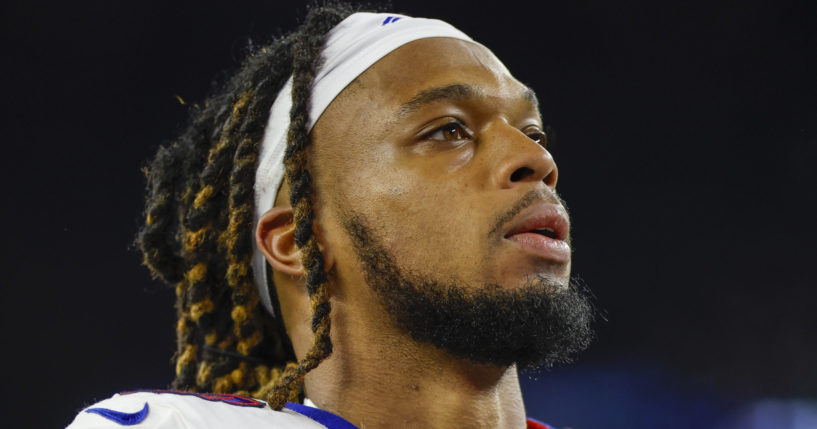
<point x="364" y="220"/>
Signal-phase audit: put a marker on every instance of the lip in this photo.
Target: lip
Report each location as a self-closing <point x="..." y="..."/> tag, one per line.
<point x="544" y="215"/>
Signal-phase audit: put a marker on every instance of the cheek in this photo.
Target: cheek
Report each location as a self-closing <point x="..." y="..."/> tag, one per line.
<point x="427" y="226"/>
<point x="427" y="192"/>
<point x="423" y="211"/>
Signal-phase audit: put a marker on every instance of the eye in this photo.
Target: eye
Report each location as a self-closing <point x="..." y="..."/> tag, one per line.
<point x="451" y="131"/>
<point x="538" y="136"/>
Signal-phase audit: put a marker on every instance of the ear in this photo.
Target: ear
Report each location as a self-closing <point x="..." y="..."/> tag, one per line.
<point x="275" y="237"/>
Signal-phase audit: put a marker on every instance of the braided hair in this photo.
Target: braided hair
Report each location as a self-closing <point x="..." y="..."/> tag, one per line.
<point x="198" y="236"/>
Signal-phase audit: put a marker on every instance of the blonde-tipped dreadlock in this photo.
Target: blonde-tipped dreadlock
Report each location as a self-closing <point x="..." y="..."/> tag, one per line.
<point x="197" y="234"/>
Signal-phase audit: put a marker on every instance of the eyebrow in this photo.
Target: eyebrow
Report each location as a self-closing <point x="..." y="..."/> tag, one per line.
<point x="454" y="91"/>
<point x="531" y="97"/>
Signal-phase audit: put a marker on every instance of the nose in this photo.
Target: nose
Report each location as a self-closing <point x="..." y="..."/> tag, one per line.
<point x="519" y="159"/>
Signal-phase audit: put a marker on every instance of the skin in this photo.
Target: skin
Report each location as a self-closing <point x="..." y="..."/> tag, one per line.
<point x="433" y="192"/>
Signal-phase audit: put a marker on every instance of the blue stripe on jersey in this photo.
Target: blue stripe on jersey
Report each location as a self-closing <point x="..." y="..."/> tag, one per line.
<point x="332" y="421"/>
<point x="124" y="419"/>
<point x="323" y="417"/>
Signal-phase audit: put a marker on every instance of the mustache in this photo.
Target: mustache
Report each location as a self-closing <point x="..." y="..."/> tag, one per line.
<point x="529" y="199"/>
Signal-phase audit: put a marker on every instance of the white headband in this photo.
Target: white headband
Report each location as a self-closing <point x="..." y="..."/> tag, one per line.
<point x="351" y="47"/>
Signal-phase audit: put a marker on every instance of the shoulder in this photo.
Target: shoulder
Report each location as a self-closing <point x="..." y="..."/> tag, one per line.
<point x="181" y="410"/>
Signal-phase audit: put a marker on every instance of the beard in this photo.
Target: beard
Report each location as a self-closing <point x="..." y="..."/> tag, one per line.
<point x="540" y="324"/>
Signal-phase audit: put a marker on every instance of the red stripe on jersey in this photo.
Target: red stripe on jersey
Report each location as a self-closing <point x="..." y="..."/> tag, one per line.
<point x="533" y="424"/>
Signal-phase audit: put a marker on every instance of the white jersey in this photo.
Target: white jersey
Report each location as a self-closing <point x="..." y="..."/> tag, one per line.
<point x="182" y="410"/>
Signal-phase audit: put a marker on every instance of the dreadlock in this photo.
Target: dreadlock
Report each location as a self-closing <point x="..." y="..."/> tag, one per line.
<point x="198" y="219"/>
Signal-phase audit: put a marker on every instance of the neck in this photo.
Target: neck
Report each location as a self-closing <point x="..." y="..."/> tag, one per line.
<point x="378" y="377"/>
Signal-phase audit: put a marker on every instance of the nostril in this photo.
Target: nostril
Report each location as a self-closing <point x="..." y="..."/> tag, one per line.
<point x="550" y="179"/>
<point x="520" y="174"/>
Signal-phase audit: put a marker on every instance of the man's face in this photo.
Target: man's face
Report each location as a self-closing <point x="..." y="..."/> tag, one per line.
<point x="438" y="177"/>
<point x="435" y="157"/>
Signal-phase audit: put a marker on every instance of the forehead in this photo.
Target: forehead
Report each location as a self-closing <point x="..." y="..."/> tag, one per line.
<point x="436" y="62"/>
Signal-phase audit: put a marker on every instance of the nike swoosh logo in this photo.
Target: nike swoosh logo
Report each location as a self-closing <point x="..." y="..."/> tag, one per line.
<point x="124" y="419"/>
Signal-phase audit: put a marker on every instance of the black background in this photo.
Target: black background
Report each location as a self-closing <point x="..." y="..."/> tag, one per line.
<point x="686" y="141"/>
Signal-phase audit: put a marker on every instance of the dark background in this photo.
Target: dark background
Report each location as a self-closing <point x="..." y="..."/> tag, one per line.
<point x="686" y="141"/>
